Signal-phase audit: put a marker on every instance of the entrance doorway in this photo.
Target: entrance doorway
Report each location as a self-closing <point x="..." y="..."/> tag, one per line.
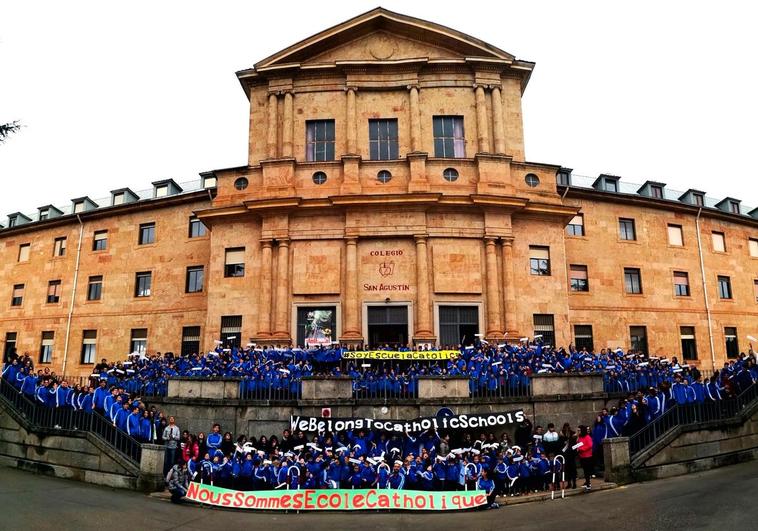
<point x="458" y="325"/>
<point x="387" y="325"/>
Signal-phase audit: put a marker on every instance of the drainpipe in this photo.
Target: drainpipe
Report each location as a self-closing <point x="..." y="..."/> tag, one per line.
<point x="705" y="290"/>
<point x="73" y="295"/>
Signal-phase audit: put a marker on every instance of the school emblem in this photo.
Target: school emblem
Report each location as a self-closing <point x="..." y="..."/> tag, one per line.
<point x="386" y="268"/>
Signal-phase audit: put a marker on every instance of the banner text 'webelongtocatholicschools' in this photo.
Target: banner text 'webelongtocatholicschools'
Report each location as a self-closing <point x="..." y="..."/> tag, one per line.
<point x="452" y="422"/>
<point x="336" y="499"/>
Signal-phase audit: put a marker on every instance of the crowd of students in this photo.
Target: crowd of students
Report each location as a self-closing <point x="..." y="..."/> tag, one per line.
<point x="368" y="459"/>
<point x="491" y="370"/>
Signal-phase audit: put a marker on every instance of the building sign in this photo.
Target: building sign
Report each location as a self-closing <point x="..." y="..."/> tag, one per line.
<point x="336" y="499"/>
<point x="432" y="355"/>
<point x="386" y="263"/>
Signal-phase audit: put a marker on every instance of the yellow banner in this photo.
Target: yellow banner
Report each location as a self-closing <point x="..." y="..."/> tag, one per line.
<point x="430" y="355"/>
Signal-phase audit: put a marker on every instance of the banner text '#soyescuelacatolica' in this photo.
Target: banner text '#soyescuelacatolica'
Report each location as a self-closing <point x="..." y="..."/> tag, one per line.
<point x="336" y="499"/>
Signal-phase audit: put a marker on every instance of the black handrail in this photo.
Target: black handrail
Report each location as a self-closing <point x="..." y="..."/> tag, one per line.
<point x="690" y="414"/>
<point x="41" y="417"/>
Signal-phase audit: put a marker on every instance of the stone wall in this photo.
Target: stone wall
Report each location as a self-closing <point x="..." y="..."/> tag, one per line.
<point x="574" y="400"/>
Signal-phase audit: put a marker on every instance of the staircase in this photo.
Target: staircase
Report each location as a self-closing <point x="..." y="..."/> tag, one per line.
<point x="680" y="418"/>
<point x="40" y="419"/>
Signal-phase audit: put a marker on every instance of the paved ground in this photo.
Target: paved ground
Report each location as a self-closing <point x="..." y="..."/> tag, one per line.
<point x="718" y="499"/>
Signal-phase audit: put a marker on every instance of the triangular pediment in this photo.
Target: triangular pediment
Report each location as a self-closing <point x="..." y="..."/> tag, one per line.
<point x="384" y="35"/>
<point x="383" y="46"/>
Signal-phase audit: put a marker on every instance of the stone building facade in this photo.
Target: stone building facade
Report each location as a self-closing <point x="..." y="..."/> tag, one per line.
<point x="386" y="199"/>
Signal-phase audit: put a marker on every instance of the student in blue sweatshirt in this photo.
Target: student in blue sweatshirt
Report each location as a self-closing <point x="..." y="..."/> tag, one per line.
<point x="101" y="393"/>
<point x="133" y="423"/>
<point x="488" y="486"/>
<point x="146" y="427"/>
<point x="215" y="438"/>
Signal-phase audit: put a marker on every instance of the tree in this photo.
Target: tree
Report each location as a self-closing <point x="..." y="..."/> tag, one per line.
<point x="7" y="129"/>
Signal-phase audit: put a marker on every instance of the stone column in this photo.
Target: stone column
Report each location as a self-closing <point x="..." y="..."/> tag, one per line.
<point x="510" y="294"/>
<point x="423" y="303"/>
<point x="497" y="120"/>
<point x="482" y="128"/>
<point x="493" y="290"/>
<point x="288" y="123"/>
<point x="281" y="328"/>
<point x="151" y="468"/>
<point x="617" y="460"/>
<point x="352" y="136"/>
<point x="264" y="304"/>
<point x="352" y="304"/>
<point x="415" y="120"/>
<point x="271" y="133"/>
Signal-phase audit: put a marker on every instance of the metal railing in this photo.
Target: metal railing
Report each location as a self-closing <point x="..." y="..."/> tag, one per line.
<point x="386" y="389"/>
<point x="261" y="390"/>
<point x="678" y="415"/>
<point x="502" y="388"/>
<point x="40" y="416"/>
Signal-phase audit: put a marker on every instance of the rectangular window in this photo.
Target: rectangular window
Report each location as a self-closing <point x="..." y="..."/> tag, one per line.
<point x="17" y="299"/>
<point x="194" y="282"/>
<point x="583" y="337"/>
<point x="143" y="284"/>
<point x="210" y="181"/>
<point x="95" y="288"/>
<point x="383" y="139"/>
<point x="755" y="289"/>
<point x="719" y="242"/>
<point x="539" y="260"/>
<point x="319" y="140"/>
<point x="118" y="199"/>
<point x="100" y="240"/>
<point x="146" y="233"/>
<point x="689" y="346"/>
<point x="675" y="235"/>
<point x="699" y="199"/>
<point x="89" y="346"/>
<point x="190" y="340"/>
<point x="632" y="280"/>
<point x="626" y="229"/>
<point x="234" y="264"/>
<point x="46" y="347"/>
<point x="10" y="346"/>
<point x="576" y="226"/>
<point x="638" y="337"/>
<point x="449" y="141"/>
<point x="725" y="287"/>
<point x="656" y="192"/>
<point x="579" y="280"/>
<point x="196" y="228"/>
<point x="734" y="206"/>
<point x="44" y="214"/>
<point x="79" y="207"/>
<point x="161" y="191"/>
<point x="681" y="284"/>
<point x="54" y="292"/>
<point x="23" y="252"/>
<point x="611" y="185"/>
<point x="59" y="247"/>
<point x="138" y="342"/>
<point x="544" y="325"/>
<point x="231" y="330"/>
<point x="732" y="346"/>
<point x="753" y="247"/>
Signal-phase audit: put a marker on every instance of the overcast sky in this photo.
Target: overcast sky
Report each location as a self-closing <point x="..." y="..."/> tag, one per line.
<point x="115" y="94"/>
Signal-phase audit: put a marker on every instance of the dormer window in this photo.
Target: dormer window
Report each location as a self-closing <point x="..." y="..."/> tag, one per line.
<point x="698" y="199"/>
<point x="610" y="185"/>
<point x="563" y="177"/>
<point x="734" y="207"/>
<point x="656" y="192"/>
<point x="79" y="207"/>
<point x="118" y="199"/>
<point x="161" y="191"/>
<point x="44" y="214"/>
<point x="210" y="181"/>
<point x="11" y="222"/>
